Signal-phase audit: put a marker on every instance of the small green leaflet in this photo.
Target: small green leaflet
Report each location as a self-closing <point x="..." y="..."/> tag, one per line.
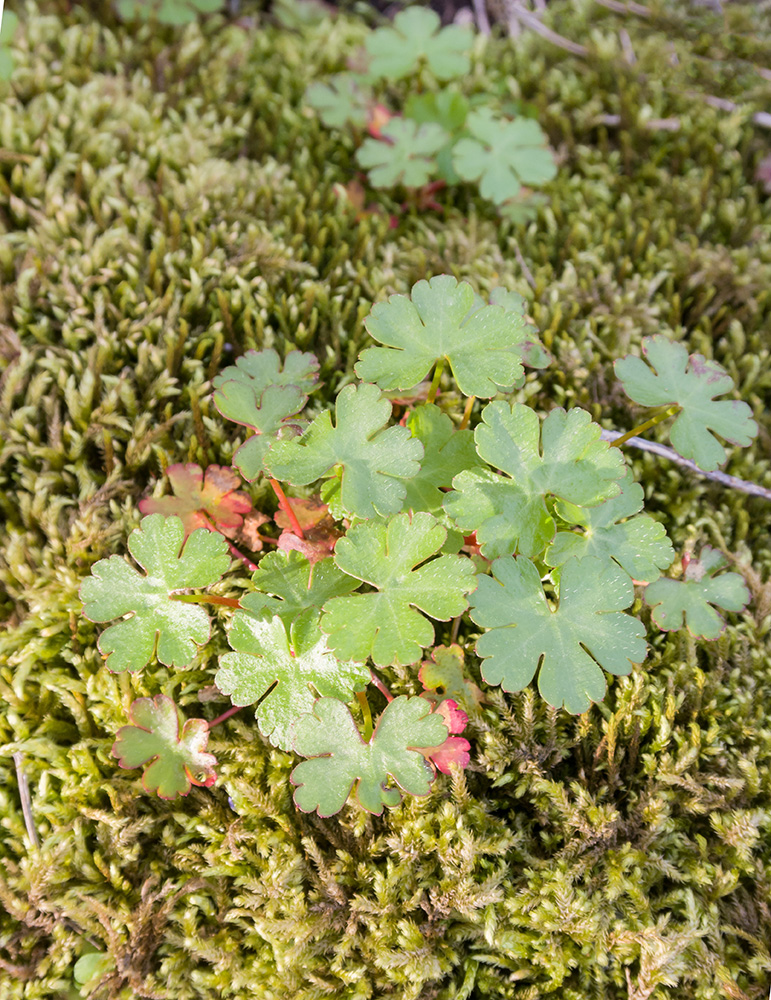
<point x="447" y="452"/>
<point x="639" y="545"/>
<point x="296" y="585"/>
<point x="340" y="101"/>
<point x="417" y="35"/>
<point x="342" y="762"/>
<point x="564" y="458"/>
<point x="258" y="393"/>
<point x="438" y="322"/>
<point x="407" y="156"/>
<point x="447" y="108"/>
<point x="293" y="671"/>
<point x="503" y="155"/>
<point x="444" y="677"/>
<point x="523" y="629"/>
<point x="375" y="459"/>
<point x="8" y="24"/>
<point x="677" y="602"/>
<point x="385" y="624"/>
<point x="174" y="749"/>
<point x="116" y="589"/>
<point x="202" y="499"/>
<point x="691" y="382"/>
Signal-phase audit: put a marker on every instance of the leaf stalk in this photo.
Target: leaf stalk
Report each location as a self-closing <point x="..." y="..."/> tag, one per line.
<point x="670" y="411"/>
<point x="362" y="696"/>
<point x="226" y="602"/>
<point x="434" y="389"/>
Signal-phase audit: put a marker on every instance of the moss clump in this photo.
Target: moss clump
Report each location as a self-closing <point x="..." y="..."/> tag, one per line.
<point x="165" y="203"/>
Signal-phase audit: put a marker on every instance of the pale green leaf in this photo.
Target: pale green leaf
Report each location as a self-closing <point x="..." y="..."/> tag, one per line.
<point x="417" y="36"/>
<point x="447" y="452"/>
<point x="340" y="101"/>
<point x="295" y="585"/>
<point x="405" y="155"/>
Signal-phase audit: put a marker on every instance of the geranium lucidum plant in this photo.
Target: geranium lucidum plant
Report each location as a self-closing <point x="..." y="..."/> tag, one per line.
<point x="438" y="135"/>
<point x="532" y="525"/>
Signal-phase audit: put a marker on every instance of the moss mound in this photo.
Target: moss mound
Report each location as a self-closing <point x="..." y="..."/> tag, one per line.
<point x="166" y="202"/>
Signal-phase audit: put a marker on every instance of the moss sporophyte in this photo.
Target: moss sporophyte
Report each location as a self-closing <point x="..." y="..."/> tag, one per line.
<point x="409" y="543"/>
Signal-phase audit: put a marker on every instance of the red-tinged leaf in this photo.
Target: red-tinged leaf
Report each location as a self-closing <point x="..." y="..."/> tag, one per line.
<point x="249" y="532"/>
<point x="172" y="750"/>
<point x="319" y="528"/>
<point x="379" y="116"/>
<point x="455" y="749"/>
<point x="443" y="676"/>
<point x="202" y="499"/>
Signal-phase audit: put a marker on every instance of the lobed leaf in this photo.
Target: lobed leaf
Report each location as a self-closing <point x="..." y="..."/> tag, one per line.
<point x="406" y="154"/>
<point x="563" y="458"/>
<point x="202" y="499"/>
<point x="385" y="624"/>
<point x="341" y="762"/>
<point x="296" y="585"/>
<point x="375" y="459"/>
<point x="442" y="320"/>
<point x="447" y="452"/>
<point x="416" y="36"/>
<point x="611" y="532"/>
<point x="502" y="155"/>
<point x="691" y="382"/>
<point x="443" y="676"/>
<point x="319" y="529"/>
<point x="287" y="672"/>
<point x="171" y="749"/>
<point x="571" y="643"/>
<point x="158" y="624"/>
<point x="692" y="601"/>
<point x="455" y="749"/>
<point x="340" y="101"/>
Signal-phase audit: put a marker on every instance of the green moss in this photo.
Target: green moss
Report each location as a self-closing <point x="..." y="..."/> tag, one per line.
<point x="165" y="203"/>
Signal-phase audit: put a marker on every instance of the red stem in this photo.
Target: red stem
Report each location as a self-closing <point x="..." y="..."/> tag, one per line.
<point x="224" y="716"/>
<point x="381" y="686"/>
<point x="240" y="555"/>
<point x="284" y="504"/>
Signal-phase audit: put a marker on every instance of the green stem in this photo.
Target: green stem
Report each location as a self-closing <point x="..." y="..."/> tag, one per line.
<point x="432" y="392"/>
<point x="467" y="413"/>
<point x="670" y="411"/>
<point x="362" y="696"/>
<point x="226" y="602"/>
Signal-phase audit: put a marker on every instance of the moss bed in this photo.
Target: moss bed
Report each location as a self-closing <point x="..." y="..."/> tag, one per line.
<point x="167" y="202"/>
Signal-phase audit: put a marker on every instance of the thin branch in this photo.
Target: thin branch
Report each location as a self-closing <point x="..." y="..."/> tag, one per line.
<point x="761" y="118"/>
<point x="719" y="477"/>
<point x="516" y="12"/>
<point x="527" y="273"/>
<point x="480" y="13"/>
<point x="625" y="8"/>
<point x="26" y="799"/>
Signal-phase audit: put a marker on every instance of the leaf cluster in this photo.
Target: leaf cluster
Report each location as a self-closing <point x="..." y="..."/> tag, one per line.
<point x="437" y="135"/>
<point x="533" y="524"/>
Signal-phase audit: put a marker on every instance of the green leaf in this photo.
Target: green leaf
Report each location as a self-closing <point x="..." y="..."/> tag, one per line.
<point x="439" y="321"/>
<point x="523" y="628"/>
<point x="639" y="545"/>
<point x="447" y="108"/>
<point x="92" y="966"/>
<point x="268" y="415"/>
<point x="565" y="458"/>
<point x="202" y="499"/>
<point x="445" y="677"/>
<point x="503" y="155"/>
<point x="691" y="382"/>
<point x="447" y="452"/>
<point x="530" y="348"/>
<point x="375" y="459"/>
<point x="296" y="584"/>
<point x="406" y="154"/>
<point x="116" y="589"/>
<point x="290" y="675"/>
<point x="260" y="369"/>
<point x="174" y="749"/>
<point x="416" y="36"/>
<point x="677" y="602"/>
<point x="340" y="101"/>
<point x="342" y="762"/>
<point x="175" y="14"/>
<point x="8" y="24"/>
<point x="385" y="624"/>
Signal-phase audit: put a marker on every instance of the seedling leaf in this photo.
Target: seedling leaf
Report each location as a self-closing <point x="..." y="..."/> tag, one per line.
<point x="639" y="545"/>
<point x="340" y="101"/>
<point x="691" y="382"/>
<point x="174" y="749"/>
<point x="386" y="625"/>
<point x="260" y="369"/>
<point x="341" y="762"/>
<point x="443" y="676"/>
<point x="503" y="155"/>
<point x="293" y="671"/>
<point x="447" y="452"/>
<point x="296" y="585"/>
<point x="375" y="459"/>
<point x="116" y="589"/>
<point x="523" y="629"/>
<point x="202" y="499"/>
<point x="439" y="321"/>
<point x="455" y="749"/>
<point x="675" y="603"/>
<point x="565" y="458"/>
<point x="319" y="529"/>
<point x="408" y="157"/>
<point x="417" y="35"/>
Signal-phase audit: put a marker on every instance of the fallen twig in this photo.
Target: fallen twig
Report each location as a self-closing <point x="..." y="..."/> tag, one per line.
<point x="480" y="14"/>
<point x="719" y="477"/>
<point x="625" y="8"/>
<point x="517" y="13"/>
